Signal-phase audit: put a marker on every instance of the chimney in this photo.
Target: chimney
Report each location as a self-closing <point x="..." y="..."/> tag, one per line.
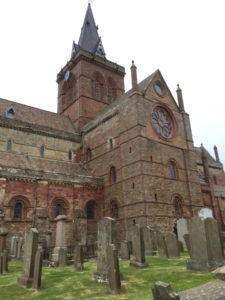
<point x="180" y="98"/>
<point x="216" y="154"/>
<point x="134" y="76"/>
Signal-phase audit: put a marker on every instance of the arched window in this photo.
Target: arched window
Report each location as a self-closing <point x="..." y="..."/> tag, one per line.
<point x="173" y="170"/>
<point x="98" y="83"/>
<point x="90" y="211"/>
<point x="111" y="90"/>
<point x="70" y="155"/>
<point x="58" y="210"/>
<point x="114" y="210"/>
<point x="112" y="176"/>
<point x="88" y="154"/>
<point x="58" y="206"/>
<point x="111" y="144"/>
<point x="17" y="211"/>
<point x="177" y="207"/>
<point x="42" y="151"/>
<point x="9" y="145"/>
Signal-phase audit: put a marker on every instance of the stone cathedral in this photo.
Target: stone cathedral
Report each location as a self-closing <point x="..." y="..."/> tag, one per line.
<point x="106" y="152"/>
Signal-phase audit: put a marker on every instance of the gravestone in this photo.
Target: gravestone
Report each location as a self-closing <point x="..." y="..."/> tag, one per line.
<point x="138" y="260"/>
<point x="30" y="249"/>
<point x="78" y="258"/>
<point x="113" y="269"/>
<point x="205" y="213"/>
<point x="161" y="244"/>
<point x="163" y="291"/>
<point x="181" y="247"/>
<point x="172" y="245"/>
<point x="107" y="234"/>
<point x="37" y="269"/>
<point x="5" y="262"/>
<point x="20" y="248"/>
<point x="1" y="263"/>
<point x="14" y="246"/>
<point x="124" y="250"/>
<point x="60" y="236"/>
<point x="3" y="235"/>
<point x="62" y="257"/>
<point x="148" y="241"/>
<point x="187" y="242"/>
<point x="182" y="228"/>
<point x="205" y="243"/>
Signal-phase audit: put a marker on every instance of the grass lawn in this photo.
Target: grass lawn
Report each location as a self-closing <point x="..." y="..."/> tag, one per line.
<point x="64" y="283"/>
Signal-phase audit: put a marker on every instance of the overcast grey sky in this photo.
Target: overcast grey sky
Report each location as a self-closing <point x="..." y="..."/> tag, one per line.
<point x="182" y="38"/>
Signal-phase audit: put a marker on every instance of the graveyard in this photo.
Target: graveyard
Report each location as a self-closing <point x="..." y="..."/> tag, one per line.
<point x="149" y="265"/>
<point x="64" y="283"/>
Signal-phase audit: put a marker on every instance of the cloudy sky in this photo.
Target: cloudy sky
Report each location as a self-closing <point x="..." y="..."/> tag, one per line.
<point x="182" y="38"/>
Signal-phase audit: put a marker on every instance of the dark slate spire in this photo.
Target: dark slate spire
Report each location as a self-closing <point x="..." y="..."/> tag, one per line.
<point x="89" y="38"/>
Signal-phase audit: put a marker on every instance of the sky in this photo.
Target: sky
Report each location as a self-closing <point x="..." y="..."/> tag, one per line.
<point x="182" y="38"/>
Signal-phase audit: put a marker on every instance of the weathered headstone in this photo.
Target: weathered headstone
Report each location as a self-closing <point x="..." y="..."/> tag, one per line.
<point x="20" y="248"/>
<point x="1" y="263"/>
<point x="78" y="258"/>
<point x="205" y="243"/>
<point x="5" y="262"/>
<point x="163" y="291"/>
<point x="187" y="242"/>
<point x="219" y="273"/>
<point x="172" y="246"/>
<point x="138" y="260"/>
<point x="113" y="269"/>
<point x="37" y="269"/>
<point x="161" y="244"/>
<point x="180" y="245"/>
<point x="182" y="228"/>
<point x="124" y="250"/>
<point x="3" y="235"/>
<point x="107" y="234"/>
<point x="14" y="246"/>
<point x="205" y="213"/>
<point x="60" y="236"/>
<point x="30" y="248"/>
<point x="62" y="257"/>
<point x="148" y="241"/>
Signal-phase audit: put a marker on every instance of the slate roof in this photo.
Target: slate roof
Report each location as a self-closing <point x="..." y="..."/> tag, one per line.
<point x="37" y="119"/>
<point x="89" y="39"/>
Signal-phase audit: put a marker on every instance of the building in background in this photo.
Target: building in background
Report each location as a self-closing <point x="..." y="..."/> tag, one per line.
<point x="105" y="153"/>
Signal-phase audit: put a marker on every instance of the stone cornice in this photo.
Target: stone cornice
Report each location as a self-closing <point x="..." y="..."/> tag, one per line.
<point x="90" y="57"/>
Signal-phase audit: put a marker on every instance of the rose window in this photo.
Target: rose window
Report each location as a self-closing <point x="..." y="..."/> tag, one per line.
<point x="162" y="122"/>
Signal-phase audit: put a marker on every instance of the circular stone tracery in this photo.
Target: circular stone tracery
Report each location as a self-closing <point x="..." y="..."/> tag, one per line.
<point x="162" y="122"/>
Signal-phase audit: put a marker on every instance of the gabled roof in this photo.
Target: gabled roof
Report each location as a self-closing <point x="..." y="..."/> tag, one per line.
<point x="89" y="39"/>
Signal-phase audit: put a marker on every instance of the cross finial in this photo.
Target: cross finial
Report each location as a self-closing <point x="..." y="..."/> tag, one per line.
<point x="89" y="2"/>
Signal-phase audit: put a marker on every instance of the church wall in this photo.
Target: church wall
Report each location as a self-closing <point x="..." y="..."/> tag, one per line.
<point x="72" y="197"/>
<point x="24" y="142"/>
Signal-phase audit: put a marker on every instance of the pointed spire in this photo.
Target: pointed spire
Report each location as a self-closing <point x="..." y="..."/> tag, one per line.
<point x="89" y="39"/>
<point x="180" y="98"/>
<point x="134" y="76"/>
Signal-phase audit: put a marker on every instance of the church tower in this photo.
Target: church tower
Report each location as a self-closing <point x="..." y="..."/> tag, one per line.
<point x="88" y="82"/>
